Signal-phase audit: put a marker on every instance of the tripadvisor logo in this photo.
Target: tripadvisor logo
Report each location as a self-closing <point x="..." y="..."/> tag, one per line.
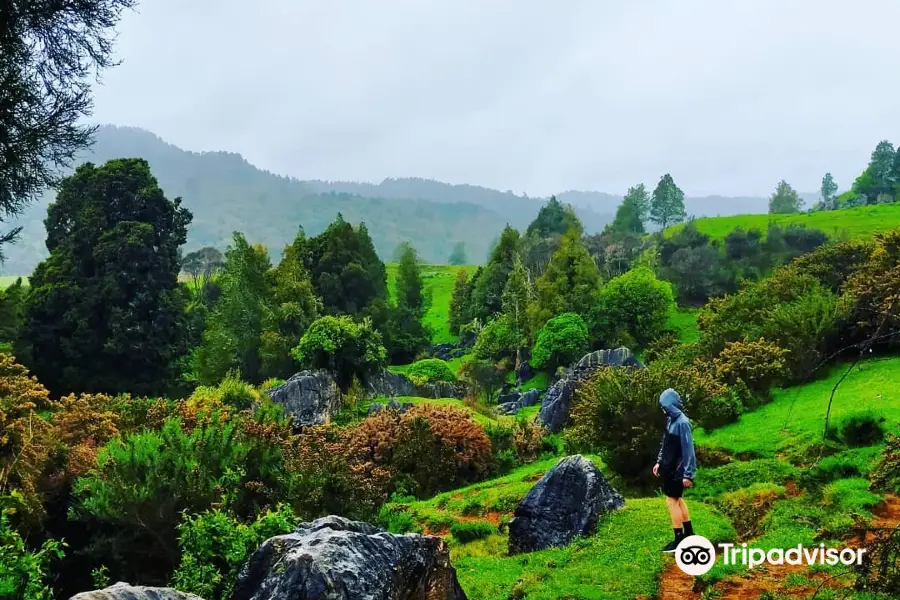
<point x="696" y="555"/>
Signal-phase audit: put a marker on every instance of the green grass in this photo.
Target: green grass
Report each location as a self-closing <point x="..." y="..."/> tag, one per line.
<point x="438" y="281"/>
<point x="684" y="322"/>
<point x="621" y="560"/>
<point x="795" y="418"/>
<point x="853" y="223"/>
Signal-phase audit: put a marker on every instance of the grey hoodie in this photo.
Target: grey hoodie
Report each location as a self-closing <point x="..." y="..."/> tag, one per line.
<point x="677" y="425"/>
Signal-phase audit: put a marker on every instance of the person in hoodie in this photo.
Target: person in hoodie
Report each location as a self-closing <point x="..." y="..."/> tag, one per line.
<point x="676" y="465"/>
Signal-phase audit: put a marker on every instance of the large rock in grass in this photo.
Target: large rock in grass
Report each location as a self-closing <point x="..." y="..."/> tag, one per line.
<point x="567" y="502"/>
<point x="557" y="403"/>
<point x="387" y="383"/>
<point x="124" y="591"/>
<point x="334" y="558"/>
<point x="529" y="398"/>
<point x="311" y="397"/>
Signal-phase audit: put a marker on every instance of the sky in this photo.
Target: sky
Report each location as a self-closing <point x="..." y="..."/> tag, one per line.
<point x="524" y="95"/>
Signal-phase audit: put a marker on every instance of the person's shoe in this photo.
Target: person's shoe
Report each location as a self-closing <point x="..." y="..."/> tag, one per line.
<point x="671" y="546"/>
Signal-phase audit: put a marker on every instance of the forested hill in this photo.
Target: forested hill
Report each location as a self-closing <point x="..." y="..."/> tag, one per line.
<point x="226" y="193"/>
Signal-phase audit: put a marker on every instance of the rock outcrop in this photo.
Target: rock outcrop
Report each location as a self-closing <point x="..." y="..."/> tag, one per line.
<point x="567" y="502"/>
<point x="124" y="591"/>
<point x="557" y="402"/>
<point x="334" y="558"/>
<point x="312" y="397"/>
<point x="387" y="383"/>
<point x="514" y="403"/>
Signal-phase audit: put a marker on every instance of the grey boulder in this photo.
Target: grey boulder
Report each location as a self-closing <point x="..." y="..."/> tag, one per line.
<point x="333" y="558"/>
<point x="311" y="397"/>
<point x="567" y="502"/>
<point x="387" y="383"/>
<point x="529" y="398"/>
<point x="557" y="403"/>
<point x="124" y="591"/>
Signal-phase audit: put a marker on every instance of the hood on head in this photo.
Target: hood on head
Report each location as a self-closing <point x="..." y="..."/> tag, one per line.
<point x="671" y="402"/>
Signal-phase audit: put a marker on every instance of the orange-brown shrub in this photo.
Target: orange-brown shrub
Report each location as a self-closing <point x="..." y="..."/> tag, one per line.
<point x="25" y="440"/>
<point x="428" y="449"/>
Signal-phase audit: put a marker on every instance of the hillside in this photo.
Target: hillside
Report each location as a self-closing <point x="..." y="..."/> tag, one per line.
<point x="859" y="222"/>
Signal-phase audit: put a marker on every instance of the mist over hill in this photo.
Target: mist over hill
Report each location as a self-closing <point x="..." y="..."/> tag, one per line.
<point x="226" y="193"/>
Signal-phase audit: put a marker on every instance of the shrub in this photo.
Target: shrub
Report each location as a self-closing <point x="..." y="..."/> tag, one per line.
<point x="396" y="519"/>
<point x="720" y="410"/>
<point x="873" y="289"/>
<point x="886" y="475"/>
<point x="848" y="496"/>
<point x="483" y="378"/>
<point x="24" y="573"/>
<point x="758" y="365"/>
<point x="341" y="345"/>
<point x="469" y="531"/>
<point x="617" y="412"/>
<point x="231" y="392"/>
<point x="214" y="545"/>
<point x="747" y="507"/>
<point x="833" y="264"/>
<point x="24" y="441"/>
<point x="429" y="448"/>
<point x="498" y="339"/>
<point x="864" y="428"/>
<point x="562" y="340"/>
<point x="430" y="370"/>
<point x="635" y="303"/>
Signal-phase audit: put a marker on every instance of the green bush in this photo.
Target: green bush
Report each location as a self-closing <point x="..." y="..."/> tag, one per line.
<point x="758" y="365"/>
<point x="635" y="303"/>
<point x="214" y="545"/>
<point x="498" y="340"/>
<point x="231" y="392"/>
<point x="864" y="428"/>
<point x="24" y="573"/>
<point x="617" y="412"/>
<point x="397" y="519"/>
<point x="857" y="462"/>
<point x="561" y="341"/>
<point x="720" y="410"/>
<point x="469" y="531"/>
<point x="430" y="370"/>
<point x="849" y="496"/>
<point x="343" y="346"/>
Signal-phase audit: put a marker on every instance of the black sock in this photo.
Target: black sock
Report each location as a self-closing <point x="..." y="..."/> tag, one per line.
<point x="679" y="533"/>
<point x="688" y="529"/>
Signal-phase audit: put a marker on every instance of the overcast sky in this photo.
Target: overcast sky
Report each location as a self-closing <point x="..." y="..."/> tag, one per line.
<point x="537" y="96"/>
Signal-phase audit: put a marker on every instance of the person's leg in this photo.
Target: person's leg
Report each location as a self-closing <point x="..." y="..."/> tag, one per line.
<point x="685" y="517"/>
<point x="675" y="513"/>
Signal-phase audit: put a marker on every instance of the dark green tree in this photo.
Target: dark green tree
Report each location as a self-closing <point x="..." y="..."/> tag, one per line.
<point x="49" y="51"/>
<point x="827" y="192"/>
<point x="784" y="199"/>
<point x="12" y="304"/>
<point x="487" y="294"/>
<point x="667" y="203"/>
<point x="410" y="292"/>
<point x="553" y="219"/>
<point x="343" y="346"/>
<point x="460" y="302"/>
<point x="233" y="336"/>
<point x="291" y="308"/>
<point x="202" y="265"/>
<point x="345" y="269"/>
<point x="878" y="180"/>
<point x="633" y="211"/>
<point x="104" y="312"/>
<point x="570" y="283"/>
<point x="459" y="256"/>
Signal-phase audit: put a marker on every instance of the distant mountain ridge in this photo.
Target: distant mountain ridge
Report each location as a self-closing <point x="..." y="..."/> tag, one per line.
<point x="226" y="193"/>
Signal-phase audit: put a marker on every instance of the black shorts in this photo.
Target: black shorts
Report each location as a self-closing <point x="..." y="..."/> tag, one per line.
<point x="672" y="486"/>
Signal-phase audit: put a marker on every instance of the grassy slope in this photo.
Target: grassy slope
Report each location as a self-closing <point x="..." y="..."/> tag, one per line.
<point x="439" y="281"/>
<point x="621" y="561"/>
<point x="796" y="416"/>
<point x="860" y="222"/>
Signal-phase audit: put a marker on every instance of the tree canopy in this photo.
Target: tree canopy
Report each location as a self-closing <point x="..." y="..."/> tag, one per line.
<point x="667" y="203"/>
<point x="784" y="199"/>
<point x="104" y="312"/>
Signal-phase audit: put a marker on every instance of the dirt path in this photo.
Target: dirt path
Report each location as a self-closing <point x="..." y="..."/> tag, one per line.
<point x="675" y="585"/>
